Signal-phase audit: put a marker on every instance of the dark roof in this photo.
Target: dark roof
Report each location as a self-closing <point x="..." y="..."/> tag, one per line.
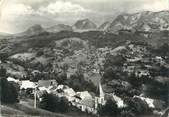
<point x="88" y="102"/>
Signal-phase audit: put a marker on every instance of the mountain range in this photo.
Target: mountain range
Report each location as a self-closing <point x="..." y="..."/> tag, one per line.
<point x="146" y="21"/>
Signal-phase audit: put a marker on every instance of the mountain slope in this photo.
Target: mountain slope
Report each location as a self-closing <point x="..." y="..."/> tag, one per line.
<point x="33" y="30"/>
<point x="104" y="26"/>
<point x="59" y="27"/>
<point x="143" y="21"/>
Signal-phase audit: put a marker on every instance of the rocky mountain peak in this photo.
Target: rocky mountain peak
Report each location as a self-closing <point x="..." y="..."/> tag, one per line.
<point x="84" y="24"/>
<point x="143" y="21"/>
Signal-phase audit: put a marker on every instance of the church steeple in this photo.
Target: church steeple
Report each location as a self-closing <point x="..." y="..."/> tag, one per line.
<point x="99" y="99"/>
<point x="101" y="90"/>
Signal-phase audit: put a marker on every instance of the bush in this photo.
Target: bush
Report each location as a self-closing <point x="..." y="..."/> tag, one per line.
<point x="8" y="92"/>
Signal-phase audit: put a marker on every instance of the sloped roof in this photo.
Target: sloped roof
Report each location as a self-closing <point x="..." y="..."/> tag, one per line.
<point x="84" y="94"/>
<point x="88" y="102"/>
<point x="27" y="84"/>
<point x="69" y="92"/>
<point x="10" y="79"/>
<point x="46" y="83"/>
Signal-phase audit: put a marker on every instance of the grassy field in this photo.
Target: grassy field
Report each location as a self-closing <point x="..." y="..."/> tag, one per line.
<point x="25" y="109"/>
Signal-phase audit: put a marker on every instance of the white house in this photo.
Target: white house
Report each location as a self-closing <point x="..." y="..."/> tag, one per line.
<point x="25" y="84"/>
<point x="149" y="101"/>
<point x="69" y="92"/>
<point x="10" y="79"/>
<point x="83" y="95"/>
<point x="87" y="105"/>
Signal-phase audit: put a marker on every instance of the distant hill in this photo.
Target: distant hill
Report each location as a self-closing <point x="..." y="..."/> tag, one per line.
<point x="84" y="24"/>
<point x="59" y="27"/>
<point x="33" y="30"/>
<point x="4" y="34"/>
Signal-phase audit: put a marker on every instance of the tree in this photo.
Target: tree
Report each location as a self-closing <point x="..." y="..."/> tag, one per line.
<point x="8" y="92"/>
<point x="61" y="78"/>
<point x="2" y="72"/>
<point x="3" y="56"/>
<point x="78" y="83"/>
<point x="52" y="103"/>
<point x="39" y="53"/>
<point x="117" y="60"/>
<point x="127" y="114"/>
<point x="109" y="109"/>
<point x="163" y="50"/>
<point x="137" y="106"/>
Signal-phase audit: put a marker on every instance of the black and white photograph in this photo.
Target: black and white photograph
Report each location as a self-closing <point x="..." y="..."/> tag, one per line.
<point x="84" y="58"/>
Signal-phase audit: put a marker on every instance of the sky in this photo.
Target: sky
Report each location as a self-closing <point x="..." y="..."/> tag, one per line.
<point x="18" y="15"/>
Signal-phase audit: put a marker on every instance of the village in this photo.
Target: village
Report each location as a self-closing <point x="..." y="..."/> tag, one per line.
<point x="84" y="101"/>
<point x="81" y="100"/>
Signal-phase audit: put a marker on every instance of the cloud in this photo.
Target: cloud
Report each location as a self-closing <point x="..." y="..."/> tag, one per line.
<point x="17" y="15"/>
<point x="60" y="7"/>
<point x="11" y="15"/>
<point x="157" y="5"/>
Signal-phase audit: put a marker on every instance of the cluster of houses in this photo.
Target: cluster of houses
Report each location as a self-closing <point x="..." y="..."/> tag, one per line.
<point x="84" y="101"/>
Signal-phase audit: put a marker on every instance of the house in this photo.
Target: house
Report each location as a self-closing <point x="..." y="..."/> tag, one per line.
<point x="120" y="103"/>
<point x="46" y="83"/>
<point x="26" y="84"/>
<point x="27" y="87"/>
<point x="40" y="93"/>
<point x="86" y="103"/>
<point x="152" y="103"/>
<point x="141" y="73"/>
<point x="69" y="92"/>
<point x="83" y="95"/>
<point x="10" y="79"/>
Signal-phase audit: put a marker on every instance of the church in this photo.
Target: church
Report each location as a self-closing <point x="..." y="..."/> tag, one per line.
<point x="91" y="105"/>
